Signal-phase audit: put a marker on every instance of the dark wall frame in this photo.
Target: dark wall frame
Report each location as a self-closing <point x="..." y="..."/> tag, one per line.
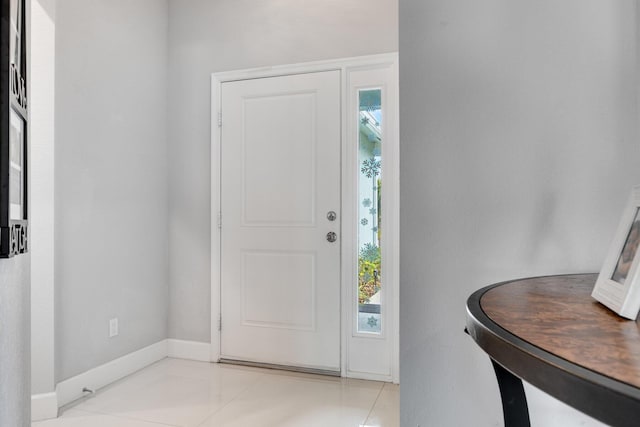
<point x="14" y="232"/>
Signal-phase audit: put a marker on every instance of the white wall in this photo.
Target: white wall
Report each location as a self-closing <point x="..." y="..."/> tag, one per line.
<point x="42" y="89"/>
<point x="111" y="198"/>
<point x="519" y="146"/>
<point x="15" y="342"/>
<point x="207" y="37"/>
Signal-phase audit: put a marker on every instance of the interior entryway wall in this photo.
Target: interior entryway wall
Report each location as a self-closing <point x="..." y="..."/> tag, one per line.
<point x="111" y="195"/>
<point x="110" y="127"/>
<point x="42" y="154"/>
<point x="519" y="149"/>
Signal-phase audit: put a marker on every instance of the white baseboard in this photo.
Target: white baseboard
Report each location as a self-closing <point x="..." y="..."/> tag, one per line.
<point x="192" y="350"/>
<point x="369" y="376"/>
<point x="96" y="378"/>
<point x="44" y="406"/>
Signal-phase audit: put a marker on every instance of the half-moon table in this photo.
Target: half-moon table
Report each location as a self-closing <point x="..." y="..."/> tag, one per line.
<point x="549" y="332"/>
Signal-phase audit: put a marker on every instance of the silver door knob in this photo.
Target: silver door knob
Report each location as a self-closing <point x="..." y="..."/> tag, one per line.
<point x="331" y="216"/>
<point x="332" y="237"/>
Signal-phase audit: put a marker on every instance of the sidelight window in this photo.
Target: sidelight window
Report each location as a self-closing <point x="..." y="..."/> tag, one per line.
<point x="370" y="281"/>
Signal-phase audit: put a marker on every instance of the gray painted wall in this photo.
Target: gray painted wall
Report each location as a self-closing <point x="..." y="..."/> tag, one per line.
<point x="111" y="197"/>
<point x="15" y="334"/>
<point x="206" y="37"/>
<point x="41" y="191"/>
<point x="519" y="146"/>
<point x="15" y="342"/>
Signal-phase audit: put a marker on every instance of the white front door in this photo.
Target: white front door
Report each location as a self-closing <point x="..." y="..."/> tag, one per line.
<point x="280" y="178"/>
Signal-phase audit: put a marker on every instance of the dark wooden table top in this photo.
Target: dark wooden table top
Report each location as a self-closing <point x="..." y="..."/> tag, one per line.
<point x="550" y="332"/>
<point x="557" y="314"/>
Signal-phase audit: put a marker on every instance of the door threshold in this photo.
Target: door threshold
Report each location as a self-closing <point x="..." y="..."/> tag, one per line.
<point x="316" y="371"/>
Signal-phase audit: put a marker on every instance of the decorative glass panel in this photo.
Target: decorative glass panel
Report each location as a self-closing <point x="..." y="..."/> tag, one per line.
<point x="369" y="212"/>
<point x="16" y="166"/>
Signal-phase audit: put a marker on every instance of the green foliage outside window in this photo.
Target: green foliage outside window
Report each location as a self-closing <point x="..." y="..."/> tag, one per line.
<point x="368" y="272"/>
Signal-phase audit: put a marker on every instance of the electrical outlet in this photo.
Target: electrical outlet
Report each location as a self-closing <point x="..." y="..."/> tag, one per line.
<point x="113" y="327"/>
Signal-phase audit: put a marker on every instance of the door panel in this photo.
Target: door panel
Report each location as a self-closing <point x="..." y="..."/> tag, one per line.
<point x="290" y="301"/>
<point x="280" y="175"/>
<point x="278" y="128"/>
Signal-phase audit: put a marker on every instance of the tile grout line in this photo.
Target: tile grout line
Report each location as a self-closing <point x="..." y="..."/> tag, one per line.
<point x="209" y="415"/>
<point x="366" y="420"/>
<point x="123" y="417"/>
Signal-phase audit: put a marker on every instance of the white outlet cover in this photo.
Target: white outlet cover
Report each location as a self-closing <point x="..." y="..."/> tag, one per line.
<point x="113" y="327"/>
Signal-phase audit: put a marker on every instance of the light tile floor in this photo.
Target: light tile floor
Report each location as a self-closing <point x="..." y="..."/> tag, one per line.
<point x="183" y="393"/>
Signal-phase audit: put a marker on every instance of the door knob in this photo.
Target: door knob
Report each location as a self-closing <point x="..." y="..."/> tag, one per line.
<point x="332" y="237"/>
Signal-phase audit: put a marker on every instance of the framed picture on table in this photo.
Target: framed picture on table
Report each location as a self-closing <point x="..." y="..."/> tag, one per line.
<point x="618" y="284"/>
<point x="14" y="130"/>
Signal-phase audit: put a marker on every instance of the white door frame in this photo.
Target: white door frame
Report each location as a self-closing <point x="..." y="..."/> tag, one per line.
<point x="348" y="243"/>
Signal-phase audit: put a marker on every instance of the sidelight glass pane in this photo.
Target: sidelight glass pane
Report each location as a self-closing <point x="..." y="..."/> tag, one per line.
<point x="369" y="212"/>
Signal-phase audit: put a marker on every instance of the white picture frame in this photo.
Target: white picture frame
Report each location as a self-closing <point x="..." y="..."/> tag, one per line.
<point x="618" y="284"/>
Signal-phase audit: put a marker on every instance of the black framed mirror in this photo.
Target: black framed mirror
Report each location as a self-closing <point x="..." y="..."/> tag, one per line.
<point x="14" y="141"/>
